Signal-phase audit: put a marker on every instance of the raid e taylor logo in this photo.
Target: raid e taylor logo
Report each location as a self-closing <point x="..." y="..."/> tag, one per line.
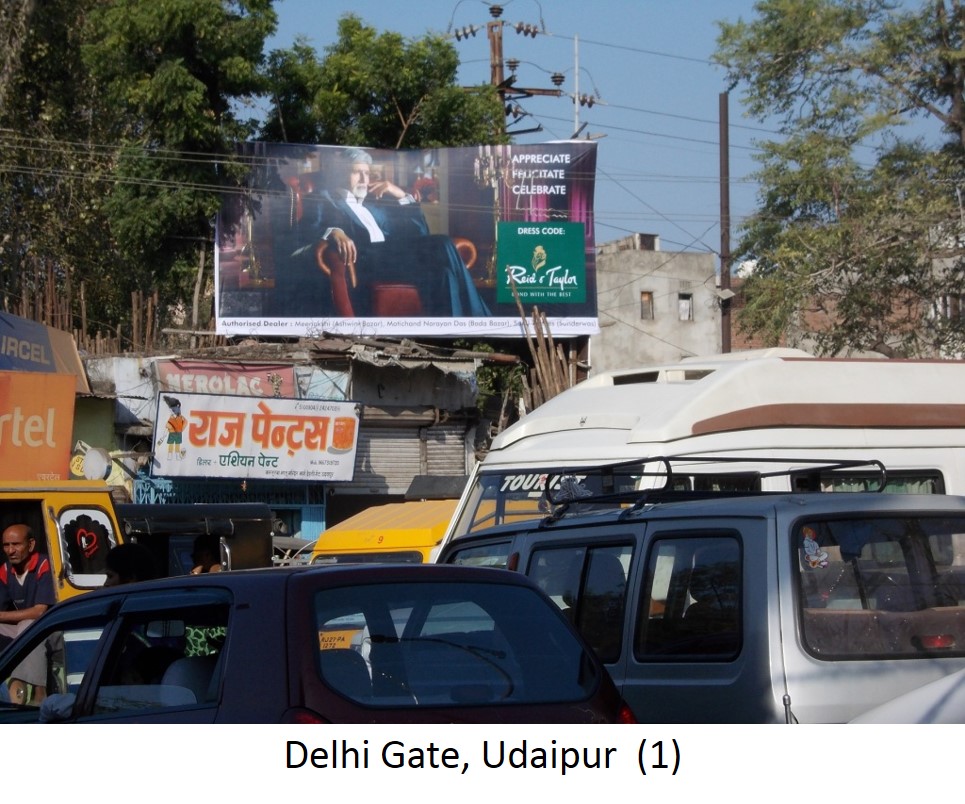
<point x="544" y="262"/>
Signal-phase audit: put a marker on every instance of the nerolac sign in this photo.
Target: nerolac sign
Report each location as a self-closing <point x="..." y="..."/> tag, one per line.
<point x="36" y="425"/>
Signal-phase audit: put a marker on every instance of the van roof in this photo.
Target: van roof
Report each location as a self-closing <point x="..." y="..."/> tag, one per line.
<point x="707" y="396"/>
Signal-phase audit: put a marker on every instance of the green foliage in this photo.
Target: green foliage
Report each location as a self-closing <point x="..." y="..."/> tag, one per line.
<point x="120" y="120"/>
<point x="378" y="90"/>
<point x="52" y="176"/>
<point x="172" y="70"/>
<point x="174" y="67"/>
<point x="293" y="75"/>
<point x="494" y="381"/>
<point x="118" y="133"/>
<point x="857" y="238"/>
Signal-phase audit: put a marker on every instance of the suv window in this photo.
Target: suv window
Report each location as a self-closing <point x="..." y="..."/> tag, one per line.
<point x="691" y="606"/>
<point x="484" y="555"/>
<point x="882" y="587"/>
<point x="447" y="644"/>
<point x="590" y="585"/>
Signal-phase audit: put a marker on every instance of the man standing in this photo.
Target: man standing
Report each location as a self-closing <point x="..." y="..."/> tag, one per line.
<point x="26" y="592"/>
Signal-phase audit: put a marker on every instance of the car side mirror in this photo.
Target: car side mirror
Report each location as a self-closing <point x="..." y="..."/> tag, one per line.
<point x="57" y="708"/>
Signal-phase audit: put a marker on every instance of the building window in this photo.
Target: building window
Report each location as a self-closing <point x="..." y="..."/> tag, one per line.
<point x="646" y="305"/>
<point x="685" y="306"/>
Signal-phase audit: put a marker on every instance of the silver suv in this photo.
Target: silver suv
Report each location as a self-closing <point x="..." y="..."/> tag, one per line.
<point x="804" y="608"/>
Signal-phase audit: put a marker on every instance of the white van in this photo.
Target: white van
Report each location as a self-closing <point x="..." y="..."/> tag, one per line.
<point x="768" y="420"/>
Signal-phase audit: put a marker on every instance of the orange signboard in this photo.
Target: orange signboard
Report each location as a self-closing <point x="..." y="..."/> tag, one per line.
<point x="36" y="425"/>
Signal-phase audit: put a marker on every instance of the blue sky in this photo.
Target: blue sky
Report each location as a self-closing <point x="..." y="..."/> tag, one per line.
<point x="648" y="61"/>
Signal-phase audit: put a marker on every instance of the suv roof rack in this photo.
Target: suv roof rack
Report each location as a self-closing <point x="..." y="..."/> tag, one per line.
<point x="572" y="493"/>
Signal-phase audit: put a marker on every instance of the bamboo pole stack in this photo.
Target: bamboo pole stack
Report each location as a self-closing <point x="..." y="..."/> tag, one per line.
<point x="553" y="367"/>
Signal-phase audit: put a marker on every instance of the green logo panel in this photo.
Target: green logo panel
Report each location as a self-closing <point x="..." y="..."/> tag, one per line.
<point x="545" y="261"/>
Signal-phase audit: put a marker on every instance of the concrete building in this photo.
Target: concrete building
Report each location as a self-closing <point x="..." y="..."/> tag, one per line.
<point x="654" y="306"/>
<point x="418" y="421"/>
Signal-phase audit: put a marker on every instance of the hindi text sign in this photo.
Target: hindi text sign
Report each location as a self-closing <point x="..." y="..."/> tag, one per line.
<point x="250" y="437"/>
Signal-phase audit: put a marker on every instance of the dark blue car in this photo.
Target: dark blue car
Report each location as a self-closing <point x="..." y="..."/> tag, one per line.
<point x="340" y="644"/>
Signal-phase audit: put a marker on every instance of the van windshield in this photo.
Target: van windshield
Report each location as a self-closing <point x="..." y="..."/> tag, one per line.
<point x="516" y="494"/>
<point x="882" y="587"/>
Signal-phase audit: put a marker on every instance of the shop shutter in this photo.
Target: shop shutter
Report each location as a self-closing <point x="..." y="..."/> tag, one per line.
<point x="388" y="458"/>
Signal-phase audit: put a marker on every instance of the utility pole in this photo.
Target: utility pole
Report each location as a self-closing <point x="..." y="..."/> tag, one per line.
<point x="726" y="294"/>
<point x="494" y="31"/>
<point x="506" y="87"/>
<point x="576" y="83"/>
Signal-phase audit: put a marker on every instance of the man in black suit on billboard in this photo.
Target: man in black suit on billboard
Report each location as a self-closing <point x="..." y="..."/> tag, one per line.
<point x="379" y="232"/>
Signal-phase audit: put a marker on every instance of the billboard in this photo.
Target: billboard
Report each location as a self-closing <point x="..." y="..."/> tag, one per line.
<point x="250" y="437"/>
<point x="36" y="424"/>
<point x="446" y="242"/>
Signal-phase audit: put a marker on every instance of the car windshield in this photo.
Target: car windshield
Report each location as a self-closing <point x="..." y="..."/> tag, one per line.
<point x="883" y="586"/>
<point x="448" y="644"/>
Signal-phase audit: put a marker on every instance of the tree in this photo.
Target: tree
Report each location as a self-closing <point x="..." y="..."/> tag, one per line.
<point x="118" y="131"/>
<point x="857" y="242"/>
<point x="380" y="91"/>
<point x="172" y="71"/>
<point x="55" y="237"/>
<point x="119" y="123"/>
<point x="14" y="27"/>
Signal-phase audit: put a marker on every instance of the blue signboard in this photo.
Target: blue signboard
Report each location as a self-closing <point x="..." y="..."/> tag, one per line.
<point x="25" y="345"/>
